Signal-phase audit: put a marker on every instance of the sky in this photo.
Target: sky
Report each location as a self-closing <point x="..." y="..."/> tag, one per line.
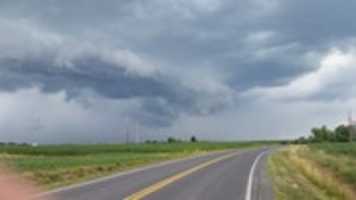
<point x="90" y="71"/>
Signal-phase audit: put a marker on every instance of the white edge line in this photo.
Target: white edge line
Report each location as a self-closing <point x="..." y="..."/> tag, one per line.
<point x="251" y="176"/>
<point x="106" y="178"/>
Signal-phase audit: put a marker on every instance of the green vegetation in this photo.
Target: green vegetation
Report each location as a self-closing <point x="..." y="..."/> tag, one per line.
<point x="338" y="158"/>
<point x="315" y="171"/>
<point x="56" y="165"/>
<point x="341" y="133"/>
<point x="323" y="167"/>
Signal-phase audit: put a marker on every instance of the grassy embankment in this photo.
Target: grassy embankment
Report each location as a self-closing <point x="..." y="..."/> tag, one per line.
<point x="57" y="165"/>
<point x="315" y="171"/>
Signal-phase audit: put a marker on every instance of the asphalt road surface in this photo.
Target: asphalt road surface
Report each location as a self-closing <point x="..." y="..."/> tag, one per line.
<point x="235" y="175"/>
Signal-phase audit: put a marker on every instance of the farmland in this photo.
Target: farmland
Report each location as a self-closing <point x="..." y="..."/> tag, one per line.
<point x="315" y="171"/>
<point x="51" y="166"/>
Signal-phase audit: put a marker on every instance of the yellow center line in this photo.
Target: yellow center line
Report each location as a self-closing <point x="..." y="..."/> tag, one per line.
<point x="163" y="183"/>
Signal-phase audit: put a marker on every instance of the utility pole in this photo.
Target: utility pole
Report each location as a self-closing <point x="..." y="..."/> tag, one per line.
<point x="127" y="135"/>
<point x="351" y="126"/>
<point x="137" y="134"/>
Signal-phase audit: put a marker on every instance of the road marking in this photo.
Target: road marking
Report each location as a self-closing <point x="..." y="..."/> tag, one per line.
<point x="251" y="175"/>
<point x="161" y="184"/>
<point x="124" y="173"/>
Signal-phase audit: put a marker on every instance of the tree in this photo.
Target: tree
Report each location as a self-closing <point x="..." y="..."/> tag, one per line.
<point x="193" y="139"/>
<point x="322" y="134"/>
<point x="316" y="135"/>
<point x="342" y="133"/>
<point x="171" y="140"/>
<point x="300" y="140"/>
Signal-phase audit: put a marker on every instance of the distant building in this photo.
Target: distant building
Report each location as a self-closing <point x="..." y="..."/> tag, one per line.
<point x="34" y="144"/>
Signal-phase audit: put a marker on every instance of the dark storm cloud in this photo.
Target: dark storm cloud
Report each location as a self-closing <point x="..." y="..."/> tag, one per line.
<point x="193" y="34"/>
<point x="174" y="57"/>
<point x="315" y="22"/>
<point x="162" y="99"/>
<point x="89" y="73"/>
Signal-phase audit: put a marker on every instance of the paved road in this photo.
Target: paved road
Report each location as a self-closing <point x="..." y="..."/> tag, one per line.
<point x="223" y="175"/>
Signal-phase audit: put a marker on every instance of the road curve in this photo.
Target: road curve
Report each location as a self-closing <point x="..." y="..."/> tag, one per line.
<point x="238" y="175"/>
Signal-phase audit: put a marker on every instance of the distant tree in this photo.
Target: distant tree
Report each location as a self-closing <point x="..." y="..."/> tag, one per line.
<point x="322" y="134"/>
<point x="11" y="143"/>
<point x="171" y="140"/>
<point x="151" y="141"/>
<point x="193" y="139"/>
<point x="301" y="140"/>
<point x="342" y="133"/>
<point x="24" y="144"/>
<point x="316" y="135"/>
<point x="284" y="142"/>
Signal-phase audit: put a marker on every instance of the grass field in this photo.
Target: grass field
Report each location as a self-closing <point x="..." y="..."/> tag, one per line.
<point x="57" y="165"/>
<point x="316" y="171"/>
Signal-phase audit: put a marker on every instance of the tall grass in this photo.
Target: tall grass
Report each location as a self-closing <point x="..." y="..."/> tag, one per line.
<point x="337" y="149"/>
<point x="339" y="158"/>
<point x="298" y="175"/>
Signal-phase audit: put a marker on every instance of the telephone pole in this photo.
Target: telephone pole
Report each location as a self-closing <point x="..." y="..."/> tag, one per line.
<point x="137" y="134"/>
<point x="351" y="124"/>
<point x="127" y="134"/>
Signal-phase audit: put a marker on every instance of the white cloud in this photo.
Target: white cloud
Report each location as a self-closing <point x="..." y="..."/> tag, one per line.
<point x="337" y="69"/>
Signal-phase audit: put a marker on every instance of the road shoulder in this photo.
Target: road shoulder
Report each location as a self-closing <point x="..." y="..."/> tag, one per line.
<point x="262" y="182"/>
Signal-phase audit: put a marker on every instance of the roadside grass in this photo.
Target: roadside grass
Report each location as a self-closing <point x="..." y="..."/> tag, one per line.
<point x="305" y="172"/>
<point x="52" y="166"/>
<point x="339" y="158"/>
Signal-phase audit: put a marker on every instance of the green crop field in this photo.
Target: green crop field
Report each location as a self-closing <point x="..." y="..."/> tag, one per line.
<point x="315" y="171"/>
<point x="56" y="165"/>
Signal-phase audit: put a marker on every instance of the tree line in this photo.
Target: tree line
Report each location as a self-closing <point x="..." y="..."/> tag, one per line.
<point x="341" y="133"/>
<point x="171" y="140"/>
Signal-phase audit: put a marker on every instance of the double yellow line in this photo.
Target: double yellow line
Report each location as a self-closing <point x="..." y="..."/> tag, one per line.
<point x="159" y="185"/>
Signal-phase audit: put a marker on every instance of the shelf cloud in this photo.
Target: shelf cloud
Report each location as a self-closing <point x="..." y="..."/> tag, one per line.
<point x="88" y="71"/>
